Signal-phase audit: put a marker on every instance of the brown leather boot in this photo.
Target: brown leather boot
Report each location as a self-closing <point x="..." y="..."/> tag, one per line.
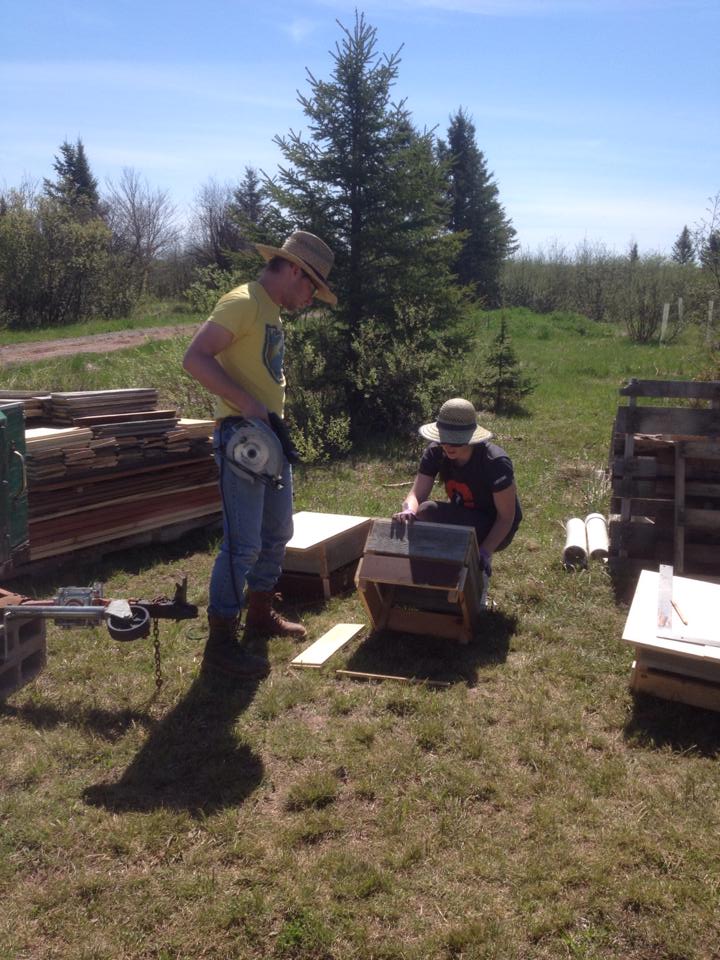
<point x="263" y="621"/>
<point x="223" y="653"/>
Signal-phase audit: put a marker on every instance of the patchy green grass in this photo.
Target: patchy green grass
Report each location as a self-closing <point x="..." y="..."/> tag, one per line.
<point x="532" y="809"/>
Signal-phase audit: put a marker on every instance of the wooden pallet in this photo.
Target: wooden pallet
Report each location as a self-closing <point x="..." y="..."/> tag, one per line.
<point x="665" y="474"/>
<point x="422" y="578"/>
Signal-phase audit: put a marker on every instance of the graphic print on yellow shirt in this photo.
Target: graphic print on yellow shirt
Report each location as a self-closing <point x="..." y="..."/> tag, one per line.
<point x="274" y="352"/>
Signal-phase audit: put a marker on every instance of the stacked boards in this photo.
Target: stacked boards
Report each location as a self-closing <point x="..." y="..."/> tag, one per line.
<point x="108" y="469"/>
<point x="665" y="473"/>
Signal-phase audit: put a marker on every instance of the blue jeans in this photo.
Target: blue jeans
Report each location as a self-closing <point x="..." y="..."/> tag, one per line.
<point x="257" y="524"/>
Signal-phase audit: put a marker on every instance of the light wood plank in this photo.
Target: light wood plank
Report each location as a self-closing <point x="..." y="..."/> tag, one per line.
<point x="311" y="529"/>
<point x="319" y="652"/>
<point x="699" y="601"/>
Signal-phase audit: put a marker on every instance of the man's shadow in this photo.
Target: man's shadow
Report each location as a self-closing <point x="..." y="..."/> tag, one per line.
<point x="192" y="759"/>
<point x="429" y="658"/>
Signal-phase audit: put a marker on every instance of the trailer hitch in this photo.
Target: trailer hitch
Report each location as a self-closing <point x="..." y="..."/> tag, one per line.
<point x="86" y="607"/>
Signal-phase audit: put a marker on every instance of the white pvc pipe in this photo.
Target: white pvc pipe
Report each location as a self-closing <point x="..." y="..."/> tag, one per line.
<point x="597" y="536"/>
<point x="575" y="551"/>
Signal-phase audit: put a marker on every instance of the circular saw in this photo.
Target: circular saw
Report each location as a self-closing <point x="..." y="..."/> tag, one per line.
<point x="255" y="453"/>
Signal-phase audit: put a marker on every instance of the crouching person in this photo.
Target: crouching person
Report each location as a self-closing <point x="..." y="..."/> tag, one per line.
<point x="478" y="478"/>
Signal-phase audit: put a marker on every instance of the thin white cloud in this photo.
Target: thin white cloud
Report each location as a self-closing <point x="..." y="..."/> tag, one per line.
<point x="299" y="29"/>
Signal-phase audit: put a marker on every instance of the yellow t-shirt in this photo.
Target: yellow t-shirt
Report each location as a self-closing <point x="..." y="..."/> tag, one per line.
<point x="254" y="359"/>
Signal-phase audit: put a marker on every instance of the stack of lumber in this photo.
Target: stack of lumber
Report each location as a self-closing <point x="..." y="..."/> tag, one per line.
<point x="52" y="452"/>
<point x="35" y="405"/>
<point x="665" y="473"/>
<point x="117" y="474"/>
<point x="65" y="407"/>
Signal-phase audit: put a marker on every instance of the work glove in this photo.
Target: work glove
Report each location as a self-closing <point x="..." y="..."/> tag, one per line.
<point x="486" y="561"/>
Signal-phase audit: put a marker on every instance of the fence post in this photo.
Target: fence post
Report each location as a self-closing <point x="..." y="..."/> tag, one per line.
<point x="681" y="311"/>
<point x="708" y="328"/>
<point x="665" y="317"/>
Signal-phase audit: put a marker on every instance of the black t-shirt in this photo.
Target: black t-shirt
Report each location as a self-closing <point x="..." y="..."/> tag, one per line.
<point x="489" y="470"/>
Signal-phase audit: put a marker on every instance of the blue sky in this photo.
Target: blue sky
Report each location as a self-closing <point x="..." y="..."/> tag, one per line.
<point x="598" y="118"/>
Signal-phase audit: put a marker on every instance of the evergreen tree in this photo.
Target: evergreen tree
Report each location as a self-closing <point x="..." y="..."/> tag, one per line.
<point x="369" y="184"/>
<point x="503" y="385"/>
<point x="683" y="250"/>
<point x="75" y="187"/>
<point x="475" y="212"/>
<point x="249" y="200"/>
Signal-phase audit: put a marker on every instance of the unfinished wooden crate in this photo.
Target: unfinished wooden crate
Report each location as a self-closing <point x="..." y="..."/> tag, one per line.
<point x="680" y="661"/>
<point x="422" y="578"/>
<point x="321" y="558"/>
<point x="665" y="474"/>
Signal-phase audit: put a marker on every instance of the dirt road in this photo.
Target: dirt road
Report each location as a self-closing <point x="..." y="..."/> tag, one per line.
<point x="97" y="343"/>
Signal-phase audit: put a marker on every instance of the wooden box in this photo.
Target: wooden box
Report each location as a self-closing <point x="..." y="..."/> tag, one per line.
<point x="682" y="660"/>
<point x="422" y="578"/>
<point x="320" y="559"/>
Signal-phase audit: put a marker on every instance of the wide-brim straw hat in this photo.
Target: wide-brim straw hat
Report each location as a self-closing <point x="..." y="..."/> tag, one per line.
<point x="456" y="424"/>
<point x="311" y="255"/>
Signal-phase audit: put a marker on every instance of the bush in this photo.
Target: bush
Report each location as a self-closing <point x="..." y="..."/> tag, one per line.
<point x="606" y="287"/>
<point x="55" y="269"/>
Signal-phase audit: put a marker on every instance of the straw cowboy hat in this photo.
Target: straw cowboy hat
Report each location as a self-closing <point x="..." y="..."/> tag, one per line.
<point x="310" y="254"/>
<point x="456" y="424"/>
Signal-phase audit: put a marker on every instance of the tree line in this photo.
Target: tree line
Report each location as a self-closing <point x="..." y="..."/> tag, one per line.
<point x="415" y="220"/>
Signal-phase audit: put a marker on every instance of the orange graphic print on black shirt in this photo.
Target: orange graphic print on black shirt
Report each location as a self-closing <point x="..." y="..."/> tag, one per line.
<point x="460" y="494"/>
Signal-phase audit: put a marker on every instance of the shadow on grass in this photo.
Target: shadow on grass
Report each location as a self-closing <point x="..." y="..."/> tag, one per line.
<point x="93" y="565"/>
<point x="433" y="658"/>
<point x="657" y="724"/>
<point x="192" y="759"/>
<point x="111" y="725"/>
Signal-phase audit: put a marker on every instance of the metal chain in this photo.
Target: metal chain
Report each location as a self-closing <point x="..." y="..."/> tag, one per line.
<point x="156" y="649"/>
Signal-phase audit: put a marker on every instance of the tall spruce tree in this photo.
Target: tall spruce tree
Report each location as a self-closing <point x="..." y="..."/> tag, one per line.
<point x="683" y="250"/>
<point x="369" y="183"/>
<point x="74" y="187"/>
<point x="475" y="211"/>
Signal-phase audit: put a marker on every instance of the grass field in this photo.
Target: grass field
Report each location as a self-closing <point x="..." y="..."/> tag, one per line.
<point x="533" y="809"/>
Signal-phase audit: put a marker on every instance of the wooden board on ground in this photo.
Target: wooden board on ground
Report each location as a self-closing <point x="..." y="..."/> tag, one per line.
<point x="319" y="652"/>
<point x="361" y="675"/>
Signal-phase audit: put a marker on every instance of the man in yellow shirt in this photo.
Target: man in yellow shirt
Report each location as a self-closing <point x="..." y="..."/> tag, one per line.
<point x="238" y="356"/>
